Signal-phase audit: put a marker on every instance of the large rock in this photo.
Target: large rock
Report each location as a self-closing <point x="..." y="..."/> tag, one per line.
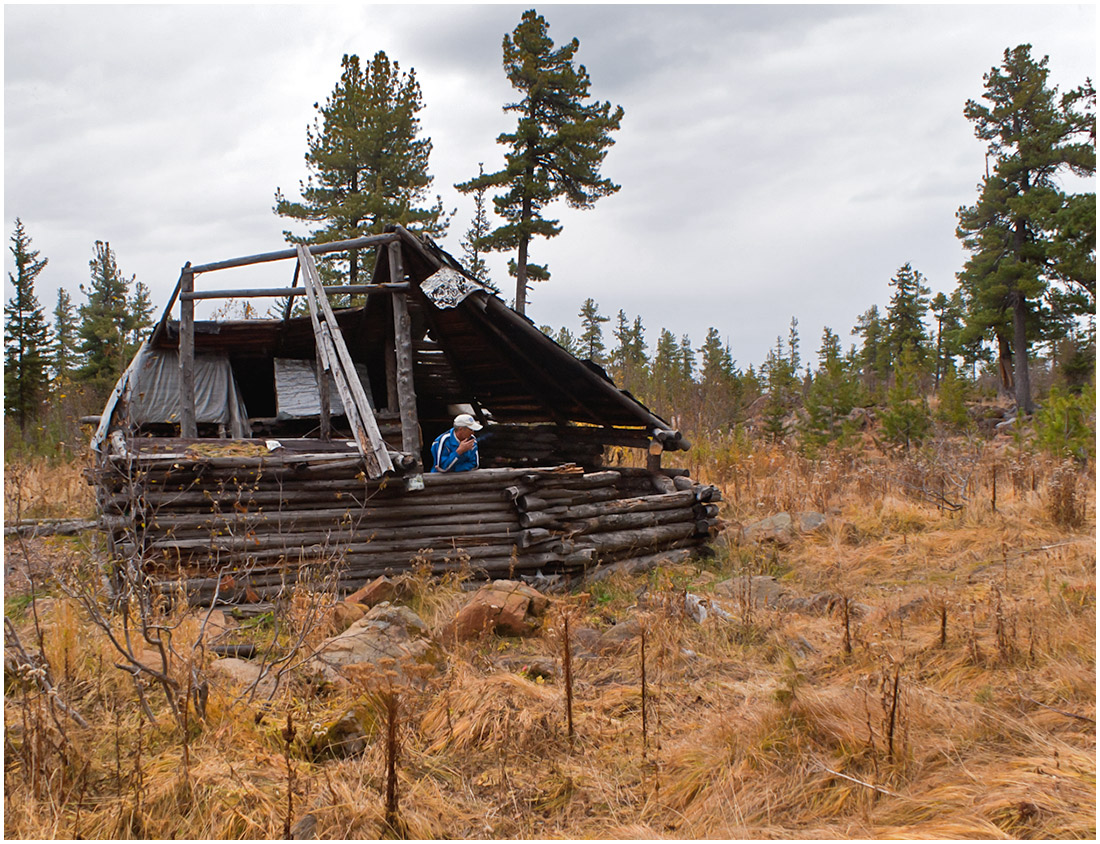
<point x="388" y="637"/>
<point x="765" y="592"/>
<point x="505" y="607"/>
<point x="242" y="674"/>
<point x="782" y="529"/>
<point x="378" y="590"/>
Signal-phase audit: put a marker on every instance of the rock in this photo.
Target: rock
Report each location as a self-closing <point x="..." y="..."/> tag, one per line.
<point x="305" y="828"/>
<point x="810" y="521"/>
<point x="388" y="637"/>
<point x="765" y="591"/>
<point x="778" y="529"/>
<point x="345" y="614"/>
<point x="340" y="738"/>
<point x="782" y="528"/>
<point x="532" y="666"/>
<point x="241" y="672"/>
<point x="617" y="638"/>
<point x="378" y="590"/>
<point x="504" y="607"/>
<point x="861" y="418"/>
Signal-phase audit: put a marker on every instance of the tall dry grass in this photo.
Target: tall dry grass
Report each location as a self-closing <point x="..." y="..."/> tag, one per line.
<point x="964" y="708"/>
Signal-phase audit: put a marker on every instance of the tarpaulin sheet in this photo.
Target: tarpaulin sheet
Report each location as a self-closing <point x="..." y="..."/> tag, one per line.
<point x="155" y="391"/>
<point x="296" y="393"/>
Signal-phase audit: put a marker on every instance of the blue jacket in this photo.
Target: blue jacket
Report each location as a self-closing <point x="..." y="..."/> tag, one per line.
<point x="446" y="459"/>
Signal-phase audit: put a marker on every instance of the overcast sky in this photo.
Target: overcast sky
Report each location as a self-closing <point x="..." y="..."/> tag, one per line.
<point x="775" y="161"/>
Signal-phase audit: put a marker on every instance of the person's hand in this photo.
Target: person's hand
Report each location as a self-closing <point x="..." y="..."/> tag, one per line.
<point x="466" y="445"/>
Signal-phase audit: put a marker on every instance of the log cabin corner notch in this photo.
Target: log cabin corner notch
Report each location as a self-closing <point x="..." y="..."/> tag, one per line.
<point x="235" y="453"/>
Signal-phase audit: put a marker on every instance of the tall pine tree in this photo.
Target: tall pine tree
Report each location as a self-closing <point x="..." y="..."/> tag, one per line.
<point x="1015" y="231"/>
<point x="367" y="166"/>
<point x="110" y="322"/>
<point x="906" y="312"/>
<point x="556" y="150"/>
<point x="471" y="242"/>
<point x="25" y="334"/>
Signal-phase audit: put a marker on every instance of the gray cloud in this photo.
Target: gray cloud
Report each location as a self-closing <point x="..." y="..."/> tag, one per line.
<point x="775" y="161"/>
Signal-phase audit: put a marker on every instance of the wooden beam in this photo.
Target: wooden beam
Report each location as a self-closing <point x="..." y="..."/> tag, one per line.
<point x="188" y="424"/>
<point x="402" y="330"/>
<point x="273" y="292"/>
<point x="343" y="369"/>
<point x="284" y="254"/>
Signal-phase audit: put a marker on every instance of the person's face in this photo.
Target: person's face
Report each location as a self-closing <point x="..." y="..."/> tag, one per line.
<point x="463" y="433"/>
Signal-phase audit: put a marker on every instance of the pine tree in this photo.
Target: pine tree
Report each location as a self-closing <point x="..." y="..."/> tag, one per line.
<point x="629" y="362"/>
<point x="591" y="339"/>
<point x="25" y="334"/>
<point x="1013" y="232"/>
<point x="832" y="395"/>
<point x="556" y="150"/>
<point x="367" y="166"/>
<point x="718" y="382"/>
<point x="874" y="353"/>
<point x="472" y="249"/>
<point x="906" y="312"/>
<point x="905" y="420"/>
<point x="63" y="345"/>
<point x="951" y="410"/>
<point x="779" y="379"/>
<point x="109" y="322"/>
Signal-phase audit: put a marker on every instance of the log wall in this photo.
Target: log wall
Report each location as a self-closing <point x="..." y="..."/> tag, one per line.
<point x="247" y="526"/>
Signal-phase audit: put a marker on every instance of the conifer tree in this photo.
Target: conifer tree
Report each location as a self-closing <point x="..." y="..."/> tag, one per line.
<point x="874" y="354"/>
<point x="471" y="242"/>
<point x="906" y="419"/>
<point x="591" y="339"/>
<point x="64" y="339"/>
<point x="556" y="150"/>
<point x="628" y="360"/>
<point x="951" y="410"/>
<point x="906" y="312"/>
<point x="718" y="381"/>
<point x="833" y="394"/>
<point x="1019" y="232"/>
<point x="25" y="334"/>
<point x="110" y="322"/>
<point x="367" y="165"/>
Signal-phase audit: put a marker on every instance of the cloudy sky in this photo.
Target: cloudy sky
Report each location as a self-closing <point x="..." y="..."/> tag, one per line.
<point x="775" y="161"/>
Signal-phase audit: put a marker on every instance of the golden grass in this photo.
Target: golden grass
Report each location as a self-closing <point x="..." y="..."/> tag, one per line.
<point x="761" y="726"/>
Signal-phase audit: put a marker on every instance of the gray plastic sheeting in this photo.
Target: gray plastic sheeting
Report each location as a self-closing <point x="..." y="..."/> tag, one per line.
<point x="296" y="390"/>
<point x="155" y="391"/>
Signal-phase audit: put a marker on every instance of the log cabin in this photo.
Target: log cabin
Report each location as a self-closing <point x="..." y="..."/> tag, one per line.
<point x="239" y="456"/>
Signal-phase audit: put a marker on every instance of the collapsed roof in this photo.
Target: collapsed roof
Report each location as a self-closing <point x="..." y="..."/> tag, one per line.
<point x="459" y="345"/>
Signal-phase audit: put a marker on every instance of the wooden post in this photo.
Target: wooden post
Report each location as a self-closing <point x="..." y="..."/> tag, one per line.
<point x="323" y="392"/>
<point x="188" y="425"/>
<point x="402" y="330"/>
<point x="653" y="459"/>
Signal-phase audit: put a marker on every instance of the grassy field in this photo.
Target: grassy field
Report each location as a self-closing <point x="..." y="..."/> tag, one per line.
<point x="931" y="674"/>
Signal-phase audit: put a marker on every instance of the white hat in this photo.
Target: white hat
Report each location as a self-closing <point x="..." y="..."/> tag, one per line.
<point x="465" y="420"/>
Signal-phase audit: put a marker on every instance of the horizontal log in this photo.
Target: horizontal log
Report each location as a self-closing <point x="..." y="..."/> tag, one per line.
<point x="637" y="565"/>
<point x="273" y="292"/>
<point x="626" y="521"/>
<point x="640" y="539"/>
<point x="285" y="254"/>
<point x="631" y="505"/>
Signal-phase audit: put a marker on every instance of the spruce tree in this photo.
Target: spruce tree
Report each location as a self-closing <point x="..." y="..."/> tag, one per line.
<point x="591" y="339"/>
<point x="874" y="351"/>
<point x="109" y="322"/>
<point x="367" y="165"/>
<point x="64" y="339"/>
<point x="906" y="312"/>
<point x="472" y="250"/>
<point x="556" y="150"/>
<point x="25" y="334"/>
<point x="906" y="419"/>
<point x="1019" y="233"/>
<point x="833" y="394"/>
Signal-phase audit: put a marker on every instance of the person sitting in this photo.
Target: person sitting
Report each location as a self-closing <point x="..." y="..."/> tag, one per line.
<point x="456" y="450"/>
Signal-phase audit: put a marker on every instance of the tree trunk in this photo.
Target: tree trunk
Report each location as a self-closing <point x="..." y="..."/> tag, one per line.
<point x="1004" y="362"/>
<point x="1019" y="341"/>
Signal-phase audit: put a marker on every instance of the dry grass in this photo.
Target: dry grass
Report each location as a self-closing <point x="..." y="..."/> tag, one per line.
<point x="759" y="726"/>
